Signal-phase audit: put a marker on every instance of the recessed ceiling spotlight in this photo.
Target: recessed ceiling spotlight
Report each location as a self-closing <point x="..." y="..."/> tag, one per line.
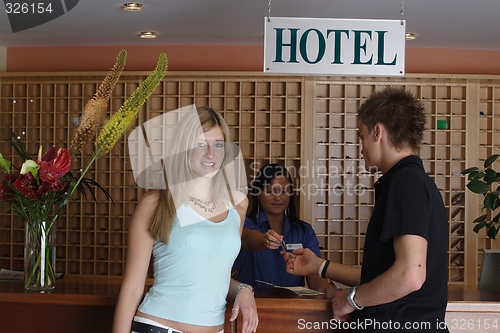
<point x="148" y="34"/>
<point x="411" y="36"/>
<point x="132" y="6"/>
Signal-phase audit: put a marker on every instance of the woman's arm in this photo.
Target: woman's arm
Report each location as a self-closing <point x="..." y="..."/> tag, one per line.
<point x="254" y="240"/>
<point x="244" y="303"/>
<point x="140" y="244"/>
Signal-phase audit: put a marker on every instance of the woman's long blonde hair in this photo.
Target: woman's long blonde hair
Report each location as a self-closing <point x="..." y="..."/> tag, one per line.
<point x="177" y="168"/>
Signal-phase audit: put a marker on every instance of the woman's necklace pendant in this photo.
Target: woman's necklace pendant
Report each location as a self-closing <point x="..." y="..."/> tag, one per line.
<point x="207" y="206"/>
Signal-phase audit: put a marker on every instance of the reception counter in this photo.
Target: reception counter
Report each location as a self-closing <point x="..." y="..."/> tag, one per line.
<point x="86" y="305"/>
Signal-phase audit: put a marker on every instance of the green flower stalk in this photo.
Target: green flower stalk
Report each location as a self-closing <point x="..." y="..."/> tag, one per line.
<point x="95" y="109"/>
<point x="122" y="119"/>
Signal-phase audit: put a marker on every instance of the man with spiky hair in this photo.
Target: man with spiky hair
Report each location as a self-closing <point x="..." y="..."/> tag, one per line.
<point x="402" y="284"/>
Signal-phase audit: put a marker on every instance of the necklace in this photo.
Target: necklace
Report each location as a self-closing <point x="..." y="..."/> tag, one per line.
<point x="208" y="206"/>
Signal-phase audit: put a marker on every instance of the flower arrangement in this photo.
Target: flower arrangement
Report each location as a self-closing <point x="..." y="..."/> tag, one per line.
<point x="39" y="189"/>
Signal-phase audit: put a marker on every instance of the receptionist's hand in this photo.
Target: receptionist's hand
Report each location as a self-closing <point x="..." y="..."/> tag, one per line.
<point x="272" y="240"/>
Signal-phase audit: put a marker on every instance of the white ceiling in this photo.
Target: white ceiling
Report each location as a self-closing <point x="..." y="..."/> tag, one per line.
<point x="466" y="24"/>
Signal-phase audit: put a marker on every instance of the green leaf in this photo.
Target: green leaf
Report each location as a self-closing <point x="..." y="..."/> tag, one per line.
<point x="478" y="227"/>
<point x="489" y="161"/>
<point x="478" y="186"/>
<point x="490" y="201"/>
<point x="481" y="218"/>
<point x="469" y="170"/>
<point x="5" y="164"/>
<point x="496" y="219"/>
<point x="497" y="203"/>
<point x="492" y="232"/>
<point x="16" y="143"/>
<point x="87" y="183"/>
<point x="490" y="176"/>
<point x="476" y="175"/>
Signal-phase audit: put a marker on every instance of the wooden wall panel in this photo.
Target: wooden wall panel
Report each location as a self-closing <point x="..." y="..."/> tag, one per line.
<point x="307" y="124"/>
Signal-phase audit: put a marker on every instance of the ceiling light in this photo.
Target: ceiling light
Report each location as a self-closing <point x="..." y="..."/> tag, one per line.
<point x="148" y="34"/>
<point x="411" y="36"/>
<point x="132" y="6"/>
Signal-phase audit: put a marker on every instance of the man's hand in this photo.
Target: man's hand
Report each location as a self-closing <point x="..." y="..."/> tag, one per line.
<point x="340" y="306"/>
<point x="302" y="262"/>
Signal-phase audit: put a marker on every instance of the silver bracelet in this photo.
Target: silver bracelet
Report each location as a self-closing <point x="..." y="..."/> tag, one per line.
<point x="243" y="285"/>
<point x="350" y="298"/>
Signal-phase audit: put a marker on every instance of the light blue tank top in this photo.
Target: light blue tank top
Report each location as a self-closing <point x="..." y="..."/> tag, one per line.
<point x="192" y="272"/>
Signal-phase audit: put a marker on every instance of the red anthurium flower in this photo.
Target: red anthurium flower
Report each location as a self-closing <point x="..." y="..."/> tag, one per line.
<point x="54" y="165"/>
<point x="57" y="186"/>
<point x="6" y="191"/>
<point x="10" y="178"/>
<point x="47" y="187"/>
<point x="43" y="188"/>
<point x="6" y="194"/>
<point x="27" y="185"/>
<point x="48" y="156"/>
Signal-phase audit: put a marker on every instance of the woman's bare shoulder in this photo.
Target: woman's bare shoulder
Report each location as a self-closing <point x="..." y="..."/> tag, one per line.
<point x="239" y="196"/>
<point x="145" y="210"/>
<point x="240" y="199"/>
<point x="149" y="199"/>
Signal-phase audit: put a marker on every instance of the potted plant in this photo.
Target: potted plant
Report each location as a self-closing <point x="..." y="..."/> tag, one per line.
<point x="486" y="182"/>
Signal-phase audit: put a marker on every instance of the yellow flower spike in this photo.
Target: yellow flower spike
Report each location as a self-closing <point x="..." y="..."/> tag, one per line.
<point x="95" y="109"/>
<point x="122" y="119"/>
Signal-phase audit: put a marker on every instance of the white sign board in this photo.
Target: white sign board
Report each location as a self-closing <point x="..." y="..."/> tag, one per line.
<point x="334" y="46"/>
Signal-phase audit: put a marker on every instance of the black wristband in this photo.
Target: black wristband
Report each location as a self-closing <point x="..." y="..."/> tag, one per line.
<point x="325" y="268"/>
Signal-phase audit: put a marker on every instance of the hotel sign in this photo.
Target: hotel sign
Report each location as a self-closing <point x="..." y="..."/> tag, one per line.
<point x="334" y="46"/>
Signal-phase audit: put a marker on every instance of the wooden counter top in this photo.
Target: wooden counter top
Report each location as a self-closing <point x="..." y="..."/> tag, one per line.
<point x="80" y="304"/>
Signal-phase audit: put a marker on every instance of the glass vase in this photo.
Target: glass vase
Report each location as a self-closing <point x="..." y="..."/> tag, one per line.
<point x="40" y="257"/>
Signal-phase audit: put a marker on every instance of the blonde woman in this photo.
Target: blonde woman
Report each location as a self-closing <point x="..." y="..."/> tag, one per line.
<point x="193" y="229"/>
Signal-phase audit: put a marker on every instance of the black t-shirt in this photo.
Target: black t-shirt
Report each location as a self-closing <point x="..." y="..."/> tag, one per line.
<point x="407" y="202"/>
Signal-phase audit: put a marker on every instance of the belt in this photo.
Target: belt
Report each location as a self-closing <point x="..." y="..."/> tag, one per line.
<point x="147" y="328"/>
